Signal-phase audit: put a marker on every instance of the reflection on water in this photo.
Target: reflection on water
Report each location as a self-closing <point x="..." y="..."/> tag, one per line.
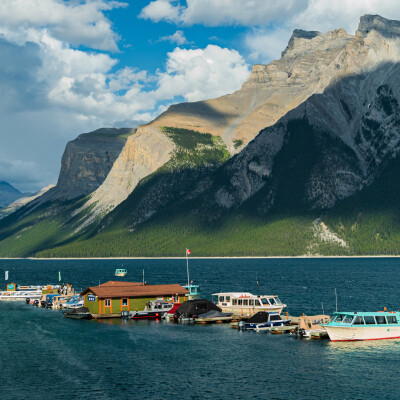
<point x="380" y="346"/>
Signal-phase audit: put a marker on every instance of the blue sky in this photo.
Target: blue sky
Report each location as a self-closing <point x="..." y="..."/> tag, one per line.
<point x="72" y="66"/>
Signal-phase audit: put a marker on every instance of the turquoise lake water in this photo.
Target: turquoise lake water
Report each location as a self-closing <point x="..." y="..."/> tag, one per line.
<point x="43" y="355"/>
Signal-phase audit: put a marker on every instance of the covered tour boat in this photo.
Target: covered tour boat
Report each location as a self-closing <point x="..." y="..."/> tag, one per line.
<point x="121" y="272"/>
<point x="191" y="309"/>
<point x="351" y="326"/>
<point x="243" y="303"/>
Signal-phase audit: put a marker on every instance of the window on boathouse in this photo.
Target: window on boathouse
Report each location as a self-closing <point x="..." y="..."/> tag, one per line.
<point x="107" y="303"/>
<point x="124" y="302"/>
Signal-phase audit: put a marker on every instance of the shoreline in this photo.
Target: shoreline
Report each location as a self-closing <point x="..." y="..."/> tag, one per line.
<point x="193" y="258"/>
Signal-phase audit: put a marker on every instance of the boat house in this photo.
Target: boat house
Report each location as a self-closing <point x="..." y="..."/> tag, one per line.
<point x="111" y="298"/>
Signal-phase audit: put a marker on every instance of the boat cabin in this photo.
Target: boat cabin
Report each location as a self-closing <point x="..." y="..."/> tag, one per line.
<point x="247" y="303"/>
<point x="312" y="322"/>
<point x="194" y="291"/>
<point x="365" y="318"/>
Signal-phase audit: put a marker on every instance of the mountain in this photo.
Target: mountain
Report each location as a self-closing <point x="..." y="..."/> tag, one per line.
<point x="22" y="201"/>
<point x="86" y="162"/>
<point x="301" y="160"/>
<point x="8" y="194"/>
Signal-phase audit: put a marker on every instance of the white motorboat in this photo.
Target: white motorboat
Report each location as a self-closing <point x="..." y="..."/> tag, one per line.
<point x="20" y="295"/>
<point x="244" y="303"/>
<point x="353" y="326"/>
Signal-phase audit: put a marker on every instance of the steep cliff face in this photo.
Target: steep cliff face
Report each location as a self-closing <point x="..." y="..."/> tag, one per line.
<point x="144" y="152"/>
<point x="86" y="162"/>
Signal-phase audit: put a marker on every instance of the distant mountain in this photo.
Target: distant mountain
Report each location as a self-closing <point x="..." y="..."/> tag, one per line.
<point x="22" y="201"/>
<point x="8" y="194"/>
<point x="302" y="160"/>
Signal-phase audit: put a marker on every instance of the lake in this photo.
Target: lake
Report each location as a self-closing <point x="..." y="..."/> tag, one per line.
<point x="45" y="355"/>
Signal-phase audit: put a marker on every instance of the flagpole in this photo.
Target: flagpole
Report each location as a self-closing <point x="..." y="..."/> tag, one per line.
<point x="187" y="265"/>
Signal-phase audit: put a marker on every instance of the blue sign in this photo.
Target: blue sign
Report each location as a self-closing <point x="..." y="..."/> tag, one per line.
<point x="90" y="297"/>
<point x="10" y="286"/>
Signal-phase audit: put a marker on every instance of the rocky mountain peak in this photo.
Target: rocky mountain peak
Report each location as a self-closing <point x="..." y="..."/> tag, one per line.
<point x="386" y="27"/>
<point x="300" y="34"/>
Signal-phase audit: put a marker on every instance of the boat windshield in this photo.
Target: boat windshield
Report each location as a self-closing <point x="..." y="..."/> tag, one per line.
<point x="348" y="319"/>
<point x="275" y="318"/>
<point x="277" y="300"/>
<point x="343" y="318"/>
<point x="265" y="302"/>
<point x="272" y="301"/>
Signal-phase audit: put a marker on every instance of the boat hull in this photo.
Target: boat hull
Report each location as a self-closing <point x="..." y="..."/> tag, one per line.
<point x="251" y="310"/>
<point x="266" y="325"/>
<point x="17" y="297"/>
<point x="147" y="315"/>
<point x="351" y="333"/>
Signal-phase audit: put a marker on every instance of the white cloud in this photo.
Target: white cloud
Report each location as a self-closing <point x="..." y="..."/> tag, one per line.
<point x="327" y="15"/>
<point x="178" y="37"/>
<point x="271" y="20"/>
<point x="20" y="173"/>
<point x="222" y="12"/>
<point x="160" y="10"/>
<point x="201" y="73"/>
<point x="307" y="14"/>
<point x="264" y="46"/>
<point x="78" y="23"/>
<point x="52" y="91"/>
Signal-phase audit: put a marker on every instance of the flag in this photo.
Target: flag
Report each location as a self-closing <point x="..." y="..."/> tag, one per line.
<point x="188" y="252"/>
<point x="59" y="276"/>
<point x="6" y="276"/>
